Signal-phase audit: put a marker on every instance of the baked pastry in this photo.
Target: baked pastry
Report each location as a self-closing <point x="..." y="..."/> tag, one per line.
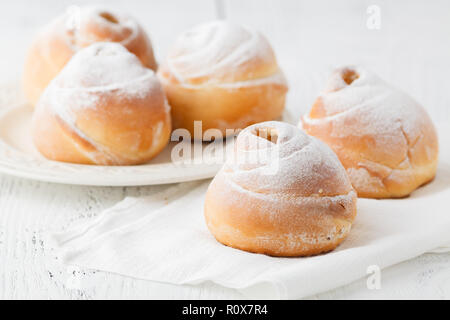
<point x="62" y="38"/>
<point x="385" y="139"/>
<point x="283" y="193"/>
<point x="224" y="75"/>
<point x="103" y="108"/>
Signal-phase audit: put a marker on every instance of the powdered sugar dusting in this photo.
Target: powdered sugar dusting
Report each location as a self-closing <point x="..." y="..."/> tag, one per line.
<point x="215" y="49"/>
<point x="359" y="111"/>
<point x="91" y="68"/>
<point x="282" y="192"/>
<point x="295" y="164"/>
<point x="117" y="26"/>
<point x="101" y="68"/>
<point x="277" y="79"/>
<point x="93" y="73"/>
<point x="369" y="106"/>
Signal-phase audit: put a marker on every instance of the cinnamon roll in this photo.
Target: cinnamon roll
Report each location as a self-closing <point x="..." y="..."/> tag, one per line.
<point x="104" y="108"/>
<point x="78" y="28"/>
<point x="385" y="140"/>
<point x="224" y="75"/>
<point x="282" y="193"/>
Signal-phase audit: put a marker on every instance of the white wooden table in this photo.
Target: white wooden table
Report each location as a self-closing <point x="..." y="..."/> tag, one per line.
<point x="411" y="50"/>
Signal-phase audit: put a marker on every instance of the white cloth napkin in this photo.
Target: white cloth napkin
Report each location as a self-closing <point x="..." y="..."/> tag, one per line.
<point x="164" y="238"/>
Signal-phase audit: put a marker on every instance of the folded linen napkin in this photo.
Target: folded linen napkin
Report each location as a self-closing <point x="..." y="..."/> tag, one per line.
<point x="164" y="238"/>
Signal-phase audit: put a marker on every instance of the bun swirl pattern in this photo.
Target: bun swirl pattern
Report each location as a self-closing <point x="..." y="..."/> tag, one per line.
<point x="385" y="139"/>
<point x="224" y="75"/>
<point x="62" y="38"/>
<point x="294" y="200"/>
<point x="104" y="108"/>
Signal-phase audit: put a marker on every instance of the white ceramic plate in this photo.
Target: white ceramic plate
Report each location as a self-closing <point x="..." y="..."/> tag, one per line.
<point x="18" y="156"/>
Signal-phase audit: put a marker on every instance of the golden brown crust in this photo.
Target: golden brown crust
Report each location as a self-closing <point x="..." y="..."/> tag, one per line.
<point x="385" y="140"/>
<point x="279" y="226"/>
<point x="115" y="124"/>
<point x="280" y="215"/>
<point x="223" y="108"/>
<point x="58" y="42"/>
<point x="206" y="80"/>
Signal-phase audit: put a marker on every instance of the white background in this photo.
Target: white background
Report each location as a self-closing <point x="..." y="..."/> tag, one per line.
<point x="411" y="51"/>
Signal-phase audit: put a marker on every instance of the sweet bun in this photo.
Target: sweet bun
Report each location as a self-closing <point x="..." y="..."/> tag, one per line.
<point x="104" y="108"/>
<point x="223" y="75"/>
<point x="283" y="193"/>
<point x="385" y="139"/>
<point x="62" y="38"/>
